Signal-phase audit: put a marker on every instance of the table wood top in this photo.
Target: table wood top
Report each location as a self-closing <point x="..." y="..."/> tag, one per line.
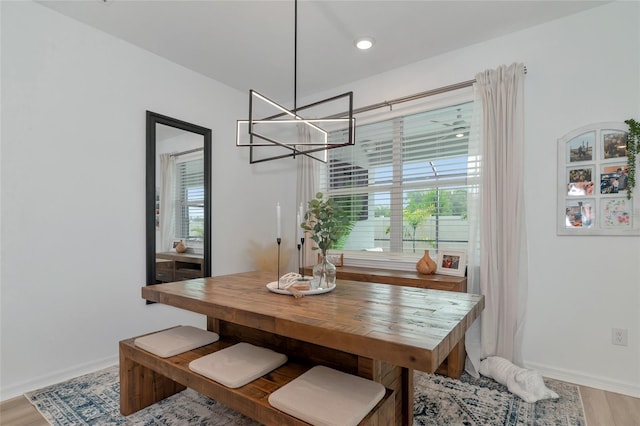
<point x="411" y="327"/>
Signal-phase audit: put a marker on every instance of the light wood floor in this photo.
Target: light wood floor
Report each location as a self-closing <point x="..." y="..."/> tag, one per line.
<point x="601" y="409"/>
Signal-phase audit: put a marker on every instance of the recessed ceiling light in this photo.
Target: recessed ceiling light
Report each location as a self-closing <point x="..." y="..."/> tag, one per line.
<point x="364" y="43"/>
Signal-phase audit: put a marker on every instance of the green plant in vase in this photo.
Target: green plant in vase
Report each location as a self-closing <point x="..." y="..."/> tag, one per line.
<point x="325" y="223"/>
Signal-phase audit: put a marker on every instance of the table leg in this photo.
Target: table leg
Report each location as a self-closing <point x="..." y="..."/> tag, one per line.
<point x="407" y="396"/>
<point x="453" y="365"/>
<point x="393" y="377"/>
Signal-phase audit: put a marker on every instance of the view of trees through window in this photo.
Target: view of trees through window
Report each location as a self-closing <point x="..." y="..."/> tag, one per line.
<point x="404" y="184"/>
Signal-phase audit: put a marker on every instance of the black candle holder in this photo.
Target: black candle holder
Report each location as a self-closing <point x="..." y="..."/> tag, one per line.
<point x="278" y="240"/>
<point x="302" y="256"/>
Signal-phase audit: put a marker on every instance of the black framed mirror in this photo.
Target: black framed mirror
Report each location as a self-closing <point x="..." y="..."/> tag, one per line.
<point x="178" y="200"/>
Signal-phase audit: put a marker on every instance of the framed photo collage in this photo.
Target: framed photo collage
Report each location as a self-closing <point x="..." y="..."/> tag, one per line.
<point x="592" y="182"/>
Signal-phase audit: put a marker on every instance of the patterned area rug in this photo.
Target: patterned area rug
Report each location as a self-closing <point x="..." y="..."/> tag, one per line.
<point x="93" y="399"/>
<point x="440" y="400"/>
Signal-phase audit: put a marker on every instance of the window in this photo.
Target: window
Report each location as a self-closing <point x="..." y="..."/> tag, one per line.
<point x="405" y="182"/>
<point x="189" y="199"/>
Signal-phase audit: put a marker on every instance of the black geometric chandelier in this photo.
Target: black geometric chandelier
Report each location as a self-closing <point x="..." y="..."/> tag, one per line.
<point x="273" y="131"/>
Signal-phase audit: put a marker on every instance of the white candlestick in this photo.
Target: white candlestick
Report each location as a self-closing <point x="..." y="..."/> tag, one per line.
<point x="278" y="227"/>
<point x="301" y="215"/>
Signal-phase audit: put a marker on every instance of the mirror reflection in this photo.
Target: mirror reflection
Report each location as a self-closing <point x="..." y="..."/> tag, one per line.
<point x="178" y="190"/>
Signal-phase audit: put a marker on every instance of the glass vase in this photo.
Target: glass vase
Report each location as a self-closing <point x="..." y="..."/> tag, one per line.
<point x="324" y="274"/>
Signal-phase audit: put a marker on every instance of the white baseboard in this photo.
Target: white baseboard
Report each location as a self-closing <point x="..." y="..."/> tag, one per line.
<point x="592" y="381"/>
<point x="56" y="377"/>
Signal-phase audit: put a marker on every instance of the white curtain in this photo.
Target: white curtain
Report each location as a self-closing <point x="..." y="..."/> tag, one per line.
<point x="498" y="258"/>
<point x="167" y="201"/>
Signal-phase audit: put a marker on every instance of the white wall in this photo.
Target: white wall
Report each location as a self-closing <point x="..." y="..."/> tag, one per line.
<point x="73" y="192"/>
<point x="73" y="102"/>
<point x="582" y="69"/>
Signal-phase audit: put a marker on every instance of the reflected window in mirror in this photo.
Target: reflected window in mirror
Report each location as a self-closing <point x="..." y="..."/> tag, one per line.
<point x="179" y="189"/>
<point x="179" y="199"/>
<point x="189" y="202"/>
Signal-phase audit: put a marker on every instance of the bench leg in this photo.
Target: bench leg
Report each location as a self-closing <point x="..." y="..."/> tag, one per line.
<point x="141" y="387"/>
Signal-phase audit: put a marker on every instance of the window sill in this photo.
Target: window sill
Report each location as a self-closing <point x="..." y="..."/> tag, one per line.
<point x="393" y="261"/>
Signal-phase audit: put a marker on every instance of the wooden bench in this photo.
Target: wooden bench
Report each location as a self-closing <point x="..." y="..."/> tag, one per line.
<point x="146" y="379"/>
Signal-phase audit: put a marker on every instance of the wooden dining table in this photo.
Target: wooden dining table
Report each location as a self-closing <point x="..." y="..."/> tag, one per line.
<point x="378" y="331"/>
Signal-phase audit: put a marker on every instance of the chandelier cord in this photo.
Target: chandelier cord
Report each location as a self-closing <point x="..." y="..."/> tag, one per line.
<point x="295" y="57"/>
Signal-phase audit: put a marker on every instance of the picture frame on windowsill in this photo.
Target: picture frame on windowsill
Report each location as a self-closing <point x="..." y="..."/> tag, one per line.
<point x="452" y="262"/>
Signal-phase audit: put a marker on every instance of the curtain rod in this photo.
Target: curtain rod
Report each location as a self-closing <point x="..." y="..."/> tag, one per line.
<point x="178" y="154"/>
<point x="416" y="96"/>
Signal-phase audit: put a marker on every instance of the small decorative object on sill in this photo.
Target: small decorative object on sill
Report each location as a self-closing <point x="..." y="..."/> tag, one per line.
<point x="326" y="224"/>
<point x="180" y="247"/>
<point x="633" y="147"/>
<point x="426" y="265"/>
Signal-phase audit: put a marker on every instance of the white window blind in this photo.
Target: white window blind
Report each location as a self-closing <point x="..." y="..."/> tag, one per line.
<point x="404" y="184"/>
<point x="189" y="199"/>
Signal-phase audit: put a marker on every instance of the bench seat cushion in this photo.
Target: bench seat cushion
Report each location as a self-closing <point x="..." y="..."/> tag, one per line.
<point x="175" y="340"/>
<point x="238" y="365"/>
<point x="324" y="396"/>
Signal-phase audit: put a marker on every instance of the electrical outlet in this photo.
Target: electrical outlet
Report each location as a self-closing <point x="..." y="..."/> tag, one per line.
<point x="619" y="336"/>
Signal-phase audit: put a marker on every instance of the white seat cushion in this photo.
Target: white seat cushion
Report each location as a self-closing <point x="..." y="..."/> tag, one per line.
<point x="324" y="396"/>
<point x="238" y="365"/>
<point x="175" y="340"/>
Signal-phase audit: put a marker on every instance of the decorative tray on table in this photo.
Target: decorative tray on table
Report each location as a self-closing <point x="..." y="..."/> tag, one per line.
<point x="273" y="286"/>
<point x="296" y="281"/>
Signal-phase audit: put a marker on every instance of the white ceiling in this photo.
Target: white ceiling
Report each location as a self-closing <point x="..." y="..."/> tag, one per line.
<point x="250" y="44"/>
